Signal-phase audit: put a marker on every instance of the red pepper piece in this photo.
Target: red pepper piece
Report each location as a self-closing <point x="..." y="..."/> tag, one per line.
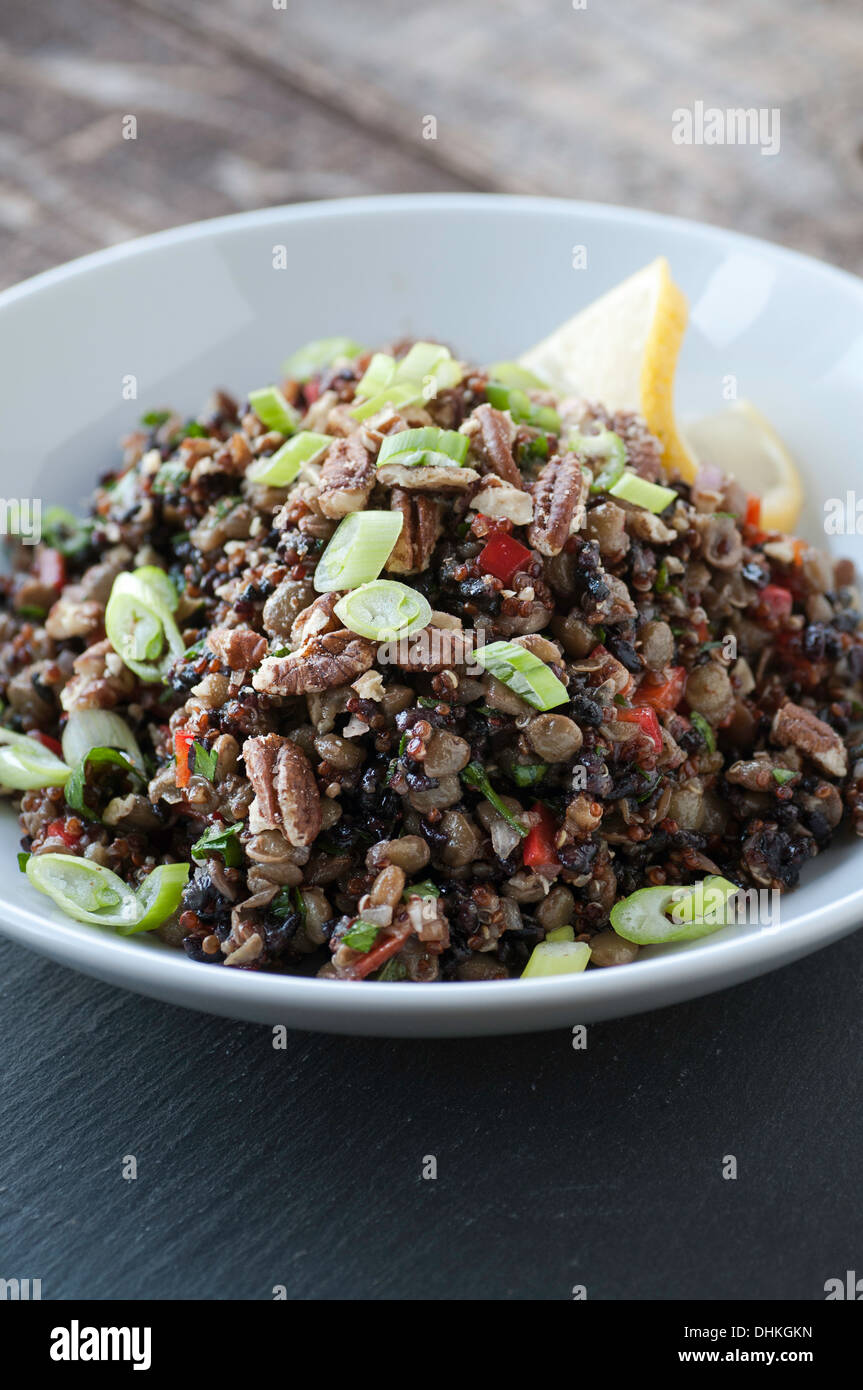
<point x="753" y="511"/>
<point x="663" y="695"/>
<point x="48" y="742"/>
<point x="503" y="556"/>
<point x="539" y="848"/>
<point x="378" y="955"/>
<point x="57" y="830"/>
<point x="774" y="603"/>
<point x="51" y="568"/>
<point x="183" y="742"/>
<point x="646" y="719"/>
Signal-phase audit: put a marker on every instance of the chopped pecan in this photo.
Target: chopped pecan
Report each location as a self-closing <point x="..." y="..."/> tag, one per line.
<point x="315" y="620"/>
<point x="286" y="793"/>
<point x="492" y="434"/>
<point x="347" y="477"/>
<point x="427" y="477"/>
<point x="559" y="498"/>
<point x="238" y="648"/>
<point x="333" y="659"/>
<point x="74" y="617"/>
<point x="501" y="500"/>
<point x="420" y="533"/>
<point x="100" y="681"/>
<point x="793" y="725"/>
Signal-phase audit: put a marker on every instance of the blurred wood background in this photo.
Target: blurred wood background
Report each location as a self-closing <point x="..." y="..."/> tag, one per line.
<point x="240" y="104"/>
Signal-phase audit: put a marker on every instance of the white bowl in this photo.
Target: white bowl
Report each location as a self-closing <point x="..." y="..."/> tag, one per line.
<point x="202" y="306"/>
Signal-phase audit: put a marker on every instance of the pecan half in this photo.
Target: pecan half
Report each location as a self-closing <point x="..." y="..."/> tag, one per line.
<point x="238" y="648"/>
<point x="559" y="499"/>
<point x="433" y="649"/>
<point x="492" y="434"/>
<point x="420" y="532"/>
<point x="336" y="658"/>
<point x="800" y="728"/>
<point x="427" y="477"/>
<point x="347" y="477"/>
<point x="286" y="793"/>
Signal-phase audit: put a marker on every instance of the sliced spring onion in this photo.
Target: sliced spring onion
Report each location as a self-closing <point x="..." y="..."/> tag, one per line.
<point x="783" y="775"/>
<point x="158" y="897"/>
<point x="561" y="934"/>
<point x="140" y="626"/>
<point x="429" y="360"/>
<point x="652" y="916"/>
<point x="609" y="452"/>
<point x="77" y="783"/>
<point x="556" y="958"/>
<point x="426" y="369"/>
<point x="271" y="408"/>
<point x="399" y="394"/>
<point x="413" y="446"/>
<point x="283" y="466"/>
<point x="379" y="374"/>
<point x="26" y="764"/>
<point x="384" y="610"/>
<point x="358" y="550"/>
<point x="98" y="728"/>
<point x="630" y="487"/>
<point x="523" y="672"/>
<point x="161" y="584"/>
<point x="513" y="374"/>
<point x="313" y="357"/>
<point x="521" y="407"/>
<point x="84" y="890"/>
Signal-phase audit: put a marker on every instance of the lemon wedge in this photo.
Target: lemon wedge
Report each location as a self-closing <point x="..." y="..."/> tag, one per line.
<point x="622" y="351"/>
<point x="742" y="442"/>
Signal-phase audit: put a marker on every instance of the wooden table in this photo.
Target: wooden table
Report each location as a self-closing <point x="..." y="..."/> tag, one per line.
<point x="239" y="104"/>
<point x="302" y="1167"/>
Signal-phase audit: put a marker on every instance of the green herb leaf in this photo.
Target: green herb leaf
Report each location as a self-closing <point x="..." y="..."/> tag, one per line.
<point x="154" y="418"/>
<point x="700" y="723"/>
<point x="221" y="840"/>
<point x="783" y="775"/>
<point x="77" y="783"/>
<point x="528" y="774"/>
<point x="205" y="762"/>
<point x="170" y="477"/>
<point x="393" y="970"/>
<point x="23" y="856"/>
<point x="361" y="936"/>
<point x="476" y="776"/>
<point x="426" y="889"/>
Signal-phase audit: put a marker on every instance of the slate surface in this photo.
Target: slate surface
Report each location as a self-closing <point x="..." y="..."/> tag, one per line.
<point x="555" y="1167"/>
<point x="303" y="1167"/>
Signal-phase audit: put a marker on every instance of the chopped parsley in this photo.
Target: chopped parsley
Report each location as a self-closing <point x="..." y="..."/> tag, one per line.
<point x="220" y="840"/>
<point x="205" y="761"/>
<point x="476" y="776"/>
<point x="361" y="936"/>
<point x="700" y="723"/>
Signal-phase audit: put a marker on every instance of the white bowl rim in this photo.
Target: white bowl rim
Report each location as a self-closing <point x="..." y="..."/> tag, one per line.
<point x="625" y="988"/>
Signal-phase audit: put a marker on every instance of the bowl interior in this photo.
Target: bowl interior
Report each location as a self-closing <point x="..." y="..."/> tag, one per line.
<point x="88" y="348"/>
